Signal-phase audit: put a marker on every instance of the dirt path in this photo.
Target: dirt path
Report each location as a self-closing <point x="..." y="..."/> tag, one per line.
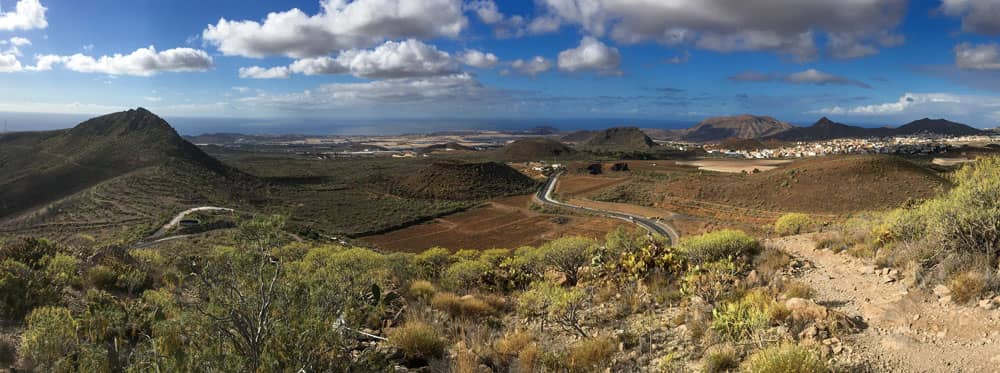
<point x="909" y="330"/>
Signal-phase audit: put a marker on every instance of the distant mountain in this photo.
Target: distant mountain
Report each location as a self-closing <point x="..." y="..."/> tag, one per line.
<point x="826" y="129"/>
<point x="620" y="139"/>
<point x="116" y="167"/>
<point x="535" y="148"/>
<point x="937" y="126"/>
<point x="740" y="126"/>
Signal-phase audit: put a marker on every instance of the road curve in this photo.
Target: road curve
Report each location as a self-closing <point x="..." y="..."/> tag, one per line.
<point x="157" y="237"/>
<point x="655" y="226"/>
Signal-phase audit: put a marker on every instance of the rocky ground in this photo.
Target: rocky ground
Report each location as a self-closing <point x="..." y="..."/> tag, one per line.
<point x="908" y="329"/>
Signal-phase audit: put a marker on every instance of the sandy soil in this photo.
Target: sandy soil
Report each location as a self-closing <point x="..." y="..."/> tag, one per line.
<point x="951" y="161"/>
<point x="735" y="165"/>
<point x="909" y="330"/>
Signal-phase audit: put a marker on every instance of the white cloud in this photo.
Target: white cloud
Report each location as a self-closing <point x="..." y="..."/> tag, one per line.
<point x="533" y="66"/>
<point x="487" y="11"/>
<point x="810" y="76"/>
<point x="407" y="59"/>
<point x="978" y="16"/>
<point x="591" y="54"/>
<point x="972" y="109"/>
<point x="977" y="57"/>
<point x="785" y="26"/>
<point x="27" y="15"/>
<point x="479" y="59"/>
<point x="257" y="72"/>
<point x="421" y="92"/>
<point x="9" y="64"/>
<point x="19" y="41"/>
<point x="141" y="62"/>
<point x="544" y="25"/>
<point x="339" y="25"/>
<point x="46" y="62"/>
<point x="88" y="47"/>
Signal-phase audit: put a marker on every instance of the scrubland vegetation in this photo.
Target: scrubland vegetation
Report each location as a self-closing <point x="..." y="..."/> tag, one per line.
<point x="952" y="239"/>
<point x="264" y="303"/>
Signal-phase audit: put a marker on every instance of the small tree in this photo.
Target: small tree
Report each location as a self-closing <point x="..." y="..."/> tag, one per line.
<point x="546" y="302"/>
<point x="568" y="255"/>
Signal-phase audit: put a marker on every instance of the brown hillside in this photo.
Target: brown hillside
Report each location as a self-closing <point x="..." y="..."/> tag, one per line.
<point x="740" y="126"/>
<point x="466" y="181"/>
<point x="535" y="148"/>
<point x="829" y="185"/>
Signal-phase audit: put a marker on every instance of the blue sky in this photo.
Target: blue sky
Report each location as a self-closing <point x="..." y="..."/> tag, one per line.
<point x="873" y="62"/>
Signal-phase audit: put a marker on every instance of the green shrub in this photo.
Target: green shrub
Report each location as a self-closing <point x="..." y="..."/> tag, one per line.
<point x="548" y="302"/>
<point x="711" y="281"/>
<point x="567" y="255"/>
<point x="22" y="289"/>
<point x="715" y="246"/>
<point x="794" y="223"/>
<point x="746" y="317"/>
<point x="418" y="341"/>
<point x="102" y="277"/>
<point x="721" y="359"/>
<point x="50" y="341"/>
<point x="62" y="270"/>
<point x="591" y="354"/>
<point x="432" y="262"/>
<point x="29" y="250"/>
<point x="468" y="274"/>
<point x="422" y="289"/>
<point x="785" y="359"/>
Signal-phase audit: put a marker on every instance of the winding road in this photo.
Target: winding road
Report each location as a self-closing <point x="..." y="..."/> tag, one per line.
<point x="157" y="237"/>
<point x="655" y="226"/>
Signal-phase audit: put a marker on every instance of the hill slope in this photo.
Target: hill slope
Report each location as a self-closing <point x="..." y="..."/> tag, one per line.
<point x="535" y="148"/>
<point x="740" y="126"/>
<point x="465" y="181"/>
<point x="620" y="139"/>
<point x="124" y="166"/>
<point x="827" y="185"/>
<point x="826" y="129"/>
<point x="937" y="126"/>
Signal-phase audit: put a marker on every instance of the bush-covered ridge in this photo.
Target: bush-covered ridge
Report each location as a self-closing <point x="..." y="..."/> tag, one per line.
<point x="263" y="303"/>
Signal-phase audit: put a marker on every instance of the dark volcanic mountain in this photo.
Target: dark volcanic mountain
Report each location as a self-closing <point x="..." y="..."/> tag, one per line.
<point x="826" y="129"/>
<point x="740" y="126"/>
<point x="465" y="181"/>
<point x="39" y="167"/>
<point x="535" y="148"/>
<point x="620" y="139"/>
<point x="937" y="126"/>
<point x="578" y="136"/>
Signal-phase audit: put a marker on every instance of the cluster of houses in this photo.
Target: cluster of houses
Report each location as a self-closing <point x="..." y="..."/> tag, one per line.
<point x="894" y="145"/>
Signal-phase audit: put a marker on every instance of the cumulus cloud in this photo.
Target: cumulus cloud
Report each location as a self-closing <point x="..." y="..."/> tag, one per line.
<point x="810" y="76"/>
<point x="14" y="45"/>
<point x="438" y="90"/>
<point x="257" y="72"/>
<point x="785" y="26"/>
<point x="591" y="54"/>
<point x="479" y="59"/>
<point x="142" y="62"/>
<point x="505" y="26"/>
<point x="532" y="67"/>
<point x="27" y="15"/>
<point x="978" y="16"/>
<point x="9" y="63"/>
<point x="406" y="59"/>
<point x="977" y="57"/>
<point x="910" y="102"/>
<point x="340" y="25"/>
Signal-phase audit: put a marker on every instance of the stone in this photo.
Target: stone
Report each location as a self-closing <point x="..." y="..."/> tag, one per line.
<point x="809" y="333"/>
<point x="941" y="290"/>
<point x="987" y="304"/>
<point x="805" y="309"/>
<point x="945" y="299"/>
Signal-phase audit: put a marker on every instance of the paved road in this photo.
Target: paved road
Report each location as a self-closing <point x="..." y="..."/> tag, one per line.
<point x="157" y="237"/>
<point x="655" y="226"/>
